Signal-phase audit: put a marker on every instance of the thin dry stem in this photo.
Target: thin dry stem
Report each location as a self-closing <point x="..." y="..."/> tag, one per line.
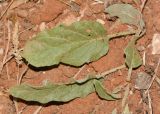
<point x="22" y="74"/>
<point x="126" y="93"/>
<point x="5" y="11"/>
<point x="7" y="48"/>
<point x="110" y="71"/>
<point x="21" y="111"/>
<point x="80" y="70"/>
<point x="144" y="58"/>
<point x="150" y="103"/>
<point x="38" y="110"/>
<point x="154" y="76"/>
<point x="143" y="4"/>
<point x="16" y="104"/>
<point x="129" y="74"/>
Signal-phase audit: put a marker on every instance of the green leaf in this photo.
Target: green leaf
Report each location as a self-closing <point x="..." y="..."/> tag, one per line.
<point x="133" y="58"/>
<point x="79" y="43"/>
<point x="127" y="14"/>
<point x="59" y="92"/>
<point x="102" y="92"/>
<point x="52" y="92"/>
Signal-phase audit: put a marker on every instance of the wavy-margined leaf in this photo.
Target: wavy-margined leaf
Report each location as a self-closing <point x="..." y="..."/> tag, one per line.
<point x="133" y="58"/>
<point x="127" y="14"/>
<point x="79" y="43"/>
<point x="59" y="93"/>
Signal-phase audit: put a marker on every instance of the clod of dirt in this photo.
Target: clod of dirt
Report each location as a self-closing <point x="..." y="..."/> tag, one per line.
<point x="47" y="12"/>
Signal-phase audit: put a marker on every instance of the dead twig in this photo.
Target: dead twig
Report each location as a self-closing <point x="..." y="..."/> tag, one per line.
<point x="80" y="70"/>
<point x="22" y="74"/>
<point x="20" y="112"/>
<point x="16" y="104"/>
<point x="154" y="76"/>
<point x="38" y="110"/>
<point x="5" y="11"/>
<point x="150" y="103"/>
<point x="7" y="48"/>
<point x="110" y="71"/>
<point x="143" y="4"/>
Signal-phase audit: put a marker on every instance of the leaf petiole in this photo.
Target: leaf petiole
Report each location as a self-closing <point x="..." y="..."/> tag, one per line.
<point x="120" y="34"/>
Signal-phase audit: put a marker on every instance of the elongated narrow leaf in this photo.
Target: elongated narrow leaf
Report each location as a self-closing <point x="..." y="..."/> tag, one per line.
<point x="127" y="14"/>
<point x="59" y="93"/>
<point x="52" y="92"/>
<point x="133" y="59"/>
<point x="102" y="92"/>
<point x="79" y="43"/>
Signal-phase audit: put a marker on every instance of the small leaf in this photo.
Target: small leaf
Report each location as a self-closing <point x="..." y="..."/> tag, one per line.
<point x="133" y="59"/>
<point x="79" y="43"/>
<point x="127" y="14"/>
<point x="102" y="92"/>
<point x="60" y="93"/>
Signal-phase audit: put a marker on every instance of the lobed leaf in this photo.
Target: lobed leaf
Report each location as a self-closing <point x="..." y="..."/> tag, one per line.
<point x="79" y="43"/>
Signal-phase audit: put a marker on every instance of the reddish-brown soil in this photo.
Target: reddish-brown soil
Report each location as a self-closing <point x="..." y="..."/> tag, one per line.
<point x="33" y="15"/>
